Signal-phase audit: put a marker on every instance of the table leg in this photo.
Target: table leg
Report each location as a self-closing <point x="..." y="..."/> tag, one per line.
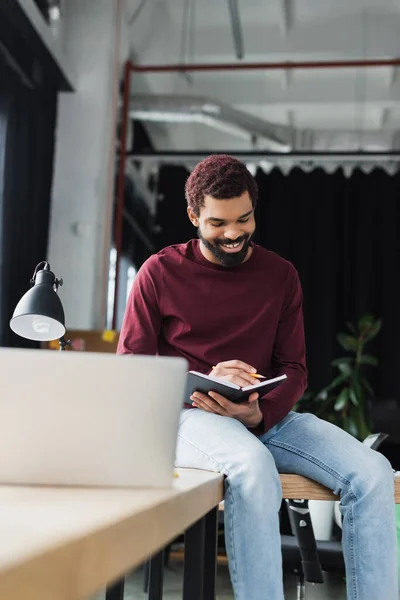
<point x="156" y="576"/>
<point x="210" y="554"/>
<point x="193" y="573"/>
<point x="116" y="591"/>
<point x="146" y="573"/>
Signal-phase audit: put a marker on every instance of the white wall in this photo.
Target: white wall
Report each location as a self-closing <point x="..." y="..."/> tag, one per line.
<point x="80" y="226"/>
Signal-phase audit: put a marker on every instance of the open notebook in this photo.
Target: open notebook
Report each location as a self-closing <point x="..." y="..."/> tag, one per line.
<point x="208" y="383"/>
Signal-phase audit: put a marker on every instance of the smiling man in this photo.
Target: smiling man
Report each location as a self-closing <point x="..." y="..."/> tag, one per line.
<point x="222" y="301"/>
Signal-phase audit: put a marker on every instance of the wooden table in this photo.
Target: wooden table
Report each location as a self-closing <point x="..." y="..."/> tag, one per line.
<point x="68" y="543"/>
<point x="65" y="544"/>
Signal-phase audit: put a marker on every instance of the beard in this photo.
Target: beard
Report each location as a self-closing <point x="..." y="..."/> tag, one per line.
<point x="227" y="259"/>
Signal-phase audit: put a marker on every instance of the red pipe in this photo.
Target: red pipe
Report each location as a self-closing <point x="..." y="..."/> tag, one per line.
<point x="269" y="66"/>
<point x="118" y="221"/>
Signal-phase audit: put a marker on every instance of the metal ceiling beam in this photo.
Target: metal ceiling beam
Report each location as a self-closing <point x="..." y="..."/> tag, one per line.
<point x="385" y="117"/>
<point x="286" y="7"/>
<point x="236" y="27"/>
<point x="256" y="156"/>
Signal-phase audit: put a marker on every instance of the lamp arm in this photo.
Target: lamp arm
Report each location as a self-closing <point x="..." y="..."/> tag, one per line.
<point x="45" y="268"/>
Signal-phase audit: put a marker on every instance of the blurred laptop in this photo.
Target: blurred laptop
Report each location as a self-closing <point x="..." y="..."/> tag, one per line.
<point x="91" y="419"/>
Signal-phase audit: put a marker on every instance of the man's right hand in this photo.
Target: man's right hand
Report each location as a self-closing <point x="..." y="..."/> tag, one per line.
<point x="235" y="371"/>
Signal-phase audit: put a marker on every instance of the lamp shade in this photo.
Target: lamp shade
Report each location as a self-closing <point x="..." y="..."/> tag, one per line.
<point x="39" y="314"/>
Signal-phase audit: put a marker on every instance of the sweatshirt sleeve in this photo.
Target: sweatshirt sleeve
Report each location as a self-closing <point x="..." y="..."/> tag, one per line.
<point x="142" y="321"/>
<point x="289" y="356"/>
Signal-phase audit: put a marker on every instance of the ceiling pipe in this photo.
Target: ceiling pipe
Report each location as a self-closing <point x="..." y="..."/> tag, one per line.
<point x="236" y="28"/>
<point x="174" y="108"/>
<point x="195" y="156"/>
<point x="267" y="66"/>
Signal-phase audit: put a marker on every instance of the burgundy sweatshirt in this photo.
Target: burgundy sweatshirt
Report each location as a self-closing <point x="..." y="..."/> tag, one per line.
<point x="181" y="304"/>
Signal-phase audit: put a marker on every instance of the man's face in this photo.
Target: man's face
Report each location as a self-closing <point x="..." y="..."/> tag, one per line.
<point x="225" y="228"/>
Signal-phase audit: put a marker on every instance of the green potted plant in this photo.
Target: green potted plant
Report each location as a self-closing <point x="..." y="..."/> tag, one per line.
<point x="344" y="401"/>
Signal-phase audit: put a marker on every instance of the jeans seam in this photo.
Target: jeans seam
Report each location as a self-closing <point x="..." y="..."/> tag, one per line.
<point x="221" y="468"/>
<point x="233" y="566"/>
<point x="350" y="491"/>
<point x="352" y="555"/>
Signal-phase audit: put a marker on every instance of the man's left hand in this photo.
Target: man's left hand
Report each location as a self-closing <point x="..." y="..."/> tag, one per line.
<point x="248" y="413"/>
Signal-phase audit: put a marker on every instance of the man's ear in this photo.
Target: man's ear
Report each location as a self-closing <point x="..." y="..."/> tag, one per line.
<point x="192" y="216"/>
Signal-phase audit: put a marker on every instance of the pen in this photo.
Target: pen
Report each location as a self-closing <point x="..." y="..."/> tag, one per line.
<point x="256" y="375"/>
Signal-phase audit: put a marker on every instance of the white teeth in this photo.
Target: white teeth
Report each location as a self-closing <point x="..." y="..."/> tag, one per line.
<point x="232" y="245"/>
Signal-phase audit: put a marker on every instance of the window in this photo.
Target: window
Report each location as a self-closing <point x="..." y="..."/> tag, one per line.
<point x="127" y="274"/>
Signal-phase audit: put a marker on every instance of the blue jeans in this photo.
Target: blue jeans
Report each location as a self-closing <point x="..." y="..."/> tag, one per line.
<point x="305" y="445"/>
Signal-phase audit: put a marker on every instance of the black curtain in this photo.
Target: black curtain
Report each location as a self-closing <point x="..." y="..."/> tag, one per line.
<point x="343" y="236"/>
<point x="27" y="124"/>
<point x="173" y="223"/>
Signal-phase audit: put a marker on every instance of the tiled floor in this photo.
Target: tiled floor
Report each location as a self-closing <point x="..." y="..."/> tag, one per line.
<point x="333" y="589"/>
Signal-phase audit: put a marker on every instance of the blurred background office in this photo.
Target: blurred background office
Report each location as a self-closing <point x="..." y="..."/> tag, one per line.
<point x="106" y="105"/>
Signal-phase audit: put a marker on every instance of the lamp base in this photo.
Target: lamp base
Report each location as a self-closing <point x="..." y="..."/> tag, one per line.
<point x="64" y="343"/>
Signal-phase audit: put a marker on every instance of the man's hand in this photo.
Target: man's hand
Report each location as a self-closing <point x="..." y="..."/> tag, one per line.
<point x="235" y="371"/>
<point x="248" y="413"/>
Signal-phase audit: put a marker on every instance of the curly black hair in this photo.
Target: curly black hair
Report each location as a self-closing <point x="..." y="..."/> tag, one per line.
<point x="220" y="176"/>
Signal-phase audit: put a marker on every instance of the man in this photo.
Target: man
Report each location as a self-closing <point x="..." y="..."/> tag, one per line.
<point x="224" y="302"/>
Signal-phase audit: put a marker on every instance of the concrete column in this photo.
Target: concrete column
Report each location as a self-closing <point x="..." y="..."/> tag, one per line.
<point x="81" y="213"/>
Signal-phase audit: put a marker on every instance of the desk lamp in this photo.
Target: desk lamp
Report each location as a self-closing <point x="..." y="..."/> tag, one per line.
<point x="39" y="315"/>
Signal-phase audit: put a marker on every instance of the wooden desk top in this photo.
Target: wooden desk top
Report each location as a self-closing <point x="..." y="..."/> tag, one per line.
<point x="67" y="543"/>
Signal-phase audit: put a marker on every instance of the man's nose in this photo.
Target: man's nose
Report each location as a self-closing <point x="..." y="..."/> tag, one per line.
<point x="231" y="234"/>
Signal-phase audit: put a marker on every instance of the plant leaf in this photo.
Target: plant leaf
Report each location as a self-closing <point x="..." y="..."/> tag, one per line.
<point x="353" y="397"/>
<point x="367" y="386"/>
<point x="357" y="388"/>
<point x="345" y="369"/>
<point x="366" y="322"/>
<point x="348" y="342"/>
<point x="342" y="399"/>
<point x="367" y="359"/>
<point x="373" y="330"/>
<point x="352" y="427"/>
<point x="363" y="428"/>
<point x="343" y="359"/>
<point x="337" y="381"/>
